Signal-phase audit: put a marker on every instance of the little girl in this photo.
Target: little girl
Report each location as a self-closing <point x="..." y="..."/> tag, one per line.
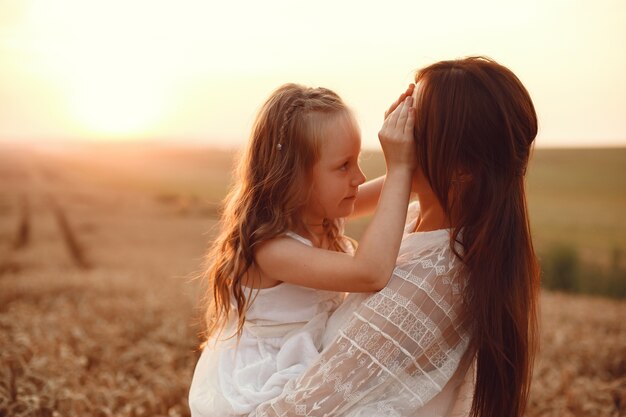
<point x="281" y="264"/>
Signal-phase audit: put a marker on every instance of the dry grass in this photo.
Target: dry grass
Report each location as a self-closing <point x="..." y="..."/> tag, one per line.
<point x="119" y="338"/>
<point x="581" y="369"/>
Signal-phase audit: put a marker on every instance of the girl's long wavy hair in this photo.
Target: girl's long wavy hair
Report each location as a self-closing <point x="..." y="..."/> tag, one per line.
<point x="475" y="127"/>
<point x="271" y="188"/>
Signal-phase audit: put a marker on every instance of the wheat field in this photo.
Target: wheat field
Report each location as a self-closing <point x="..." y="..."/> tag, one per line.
<point x="99" y="305"/>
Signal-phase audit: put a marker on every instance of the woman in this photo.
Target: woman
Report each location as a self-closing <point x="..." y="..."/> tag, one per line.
<point x="454" y="331"/>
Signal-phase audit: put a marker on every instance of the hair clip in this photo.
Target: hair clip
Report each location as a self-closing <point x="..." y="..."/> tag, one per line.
<point x="279" y="147"/>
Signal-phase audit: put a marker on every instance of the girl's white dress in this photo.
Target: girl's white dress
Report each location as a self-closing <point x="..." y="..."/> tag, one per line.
<point x="282" y="336"/>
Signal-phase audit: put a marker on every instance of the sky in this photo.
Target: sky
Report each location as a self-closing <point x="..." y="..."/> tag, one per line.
<point x="198" y="71"/>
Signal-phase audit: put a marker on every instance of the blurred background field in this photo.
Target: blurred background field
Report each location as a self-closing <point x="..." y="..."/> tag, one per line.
<point x="99" y="245"/>
<point x="577" y="204"/>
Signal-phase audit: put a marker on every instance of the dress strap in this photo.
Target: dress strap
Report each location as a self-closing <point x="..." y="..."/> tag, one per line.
<point x="299" y="238"/>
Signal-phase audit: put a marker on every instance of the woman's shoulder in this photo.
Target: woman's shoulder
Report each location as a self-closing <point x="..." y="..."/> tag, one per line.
<point x="411" y="216"/>
<point x="428" y="257"/>
<point x="434" y="244"/>
<point x="413" y="211"/>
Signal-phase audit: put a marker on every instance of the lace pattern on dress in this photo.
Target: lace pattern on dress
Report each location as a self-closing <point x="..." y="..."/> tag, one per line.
<point x="398" y="350"/>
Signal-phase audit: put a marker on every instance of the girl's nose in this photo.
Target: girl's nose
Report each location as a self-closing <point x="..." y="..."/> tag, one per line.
<point x="359" y="178"/>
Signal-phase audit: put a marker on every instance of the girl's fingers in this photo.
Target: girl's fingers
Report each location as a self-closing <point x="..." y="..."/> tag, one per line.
<point x="408" y="92"/>
<point x="397" y="119"/>
<point x="392" y="120"/>
<point x="404" y="113"/>
<point x="410" y="121"/>
<point x="394" y="105"/>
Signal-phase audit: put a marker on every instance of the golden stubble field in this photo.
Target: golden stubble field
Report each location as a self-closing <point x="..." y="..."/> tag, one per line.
<point x="99" y="312"/>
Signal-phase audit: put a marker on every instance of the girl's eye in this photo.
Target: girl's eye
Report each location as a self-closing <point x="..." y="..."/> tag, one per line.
<point x="344" y="167"/>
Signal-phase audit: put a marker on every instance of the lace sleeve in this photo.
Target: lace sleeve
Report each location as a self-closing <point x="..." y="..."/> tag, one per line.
<point x="398" y="350"/>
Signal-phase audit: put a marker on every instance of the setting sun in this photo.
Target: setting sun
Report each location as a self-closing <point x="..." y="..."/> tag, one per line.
<point x="109" y="66"/>
<point x="117" y="106"/>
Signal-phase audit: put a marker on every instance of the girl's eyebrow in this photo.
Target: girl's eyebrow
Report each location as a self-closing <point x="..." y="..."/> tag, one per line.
<point x="345" y="157"/>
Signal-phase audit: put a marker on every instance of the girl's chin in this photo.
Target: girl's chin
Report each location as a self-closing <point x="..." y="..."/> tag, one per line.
<point x="346" y="208"/>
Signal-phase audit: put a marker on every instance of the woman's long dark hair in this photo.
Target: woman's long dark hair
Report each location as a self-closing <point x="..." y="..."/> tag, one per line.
<point x="474" y="129"/>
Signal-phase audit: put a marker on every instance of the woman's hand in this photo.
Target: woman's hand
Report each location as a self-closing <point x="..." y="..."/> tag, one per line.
<point x="396" y="134"/>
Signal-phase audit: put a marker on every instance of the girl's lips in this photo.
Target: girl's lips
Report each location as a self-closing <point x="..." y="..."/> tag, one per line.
<point x="353" y="196"/>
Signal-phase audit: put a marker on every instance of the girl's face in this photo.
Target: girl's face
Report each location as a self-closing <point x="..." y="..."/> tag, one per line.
<point x="336" y="176"/>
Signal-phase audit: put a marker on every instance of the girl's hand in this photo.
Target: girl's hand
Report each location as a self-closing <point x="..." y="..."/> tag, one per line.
<point x="403" y="96"/>
<point x="396" y="135"/>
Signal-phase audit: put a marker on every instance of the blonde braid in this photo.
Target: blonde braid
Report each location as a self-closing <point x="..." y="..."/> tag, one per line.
<point x="297" y="104"/>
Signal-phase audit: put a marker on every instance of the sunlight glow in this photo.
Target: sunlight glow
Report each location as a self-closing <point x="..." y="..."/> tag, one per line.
<point x="117" y="107"/>
<point x="109" y="64"/>
<point x="197" y="70"/>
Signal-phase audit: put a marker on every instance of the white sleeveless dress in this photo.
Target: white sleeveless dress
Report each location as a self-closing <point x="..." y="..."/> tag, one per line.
<point x="282" y="336"/>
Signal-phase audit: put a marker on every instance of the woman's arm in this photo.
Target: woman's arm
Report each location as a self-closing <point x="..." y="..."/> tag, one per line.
<point x="371" y="265"/>
<point x="400" y="348"/>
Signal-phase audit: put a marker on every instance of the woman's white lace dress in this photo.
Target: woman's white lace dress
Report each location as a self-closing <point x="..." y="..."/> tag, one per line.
<point x="400" y="352"/>
<point x="281" y="337"/>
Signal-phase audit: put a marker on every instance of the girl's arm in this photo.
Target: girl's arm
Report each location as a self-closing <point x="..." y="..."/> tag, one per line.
<point x="369" y="269"/>
<point x="368" y="196"/>
<point x="369" y="193"/>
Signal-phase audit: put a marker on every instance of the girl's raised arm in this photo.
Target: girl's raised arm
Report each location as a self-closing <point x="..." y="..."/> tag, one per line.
<point x="369" y="193"/>
<point x="370" y="267"/>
